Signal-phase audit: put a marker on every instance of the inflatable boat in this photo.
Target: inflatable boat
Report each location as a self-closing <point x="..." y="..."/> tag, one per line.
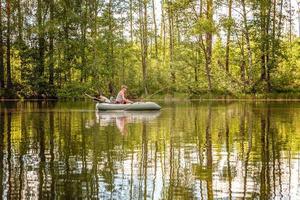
<point x="134" y="106"/>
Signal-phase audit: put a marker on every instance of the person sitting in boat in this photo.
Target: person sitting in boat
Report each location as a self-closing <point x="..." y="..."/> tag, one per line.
<point x="104" y="99"/>
<point x="121" y="99"/>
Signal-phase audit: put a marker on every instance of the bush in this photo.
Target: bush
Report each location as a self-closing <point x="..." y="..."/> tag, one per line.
<point x="72" y="90"/>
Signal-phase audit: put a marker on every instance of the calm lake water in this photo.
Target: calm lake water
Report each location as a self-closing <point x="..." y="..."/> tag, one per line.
<point x="188" y="150"/>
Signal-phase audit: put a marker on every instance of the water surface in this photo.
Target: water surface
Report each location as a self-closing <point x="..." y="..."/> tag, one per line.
<point x="188" y="150"/>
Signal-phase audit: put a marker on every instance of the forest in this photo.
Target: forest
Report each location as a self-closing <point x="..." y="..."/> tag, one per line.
<point x="64" y="48"/>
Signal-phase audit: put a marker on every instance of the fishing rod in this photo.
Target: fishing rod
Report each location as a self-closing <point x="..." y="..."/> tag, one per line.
<point x="156" y="92"/>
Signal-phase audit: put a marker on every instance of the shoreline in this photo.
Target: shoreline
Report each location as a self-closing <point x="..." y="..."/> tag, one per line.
<point x="181" y="96"/>
<point x="163" y="99"/>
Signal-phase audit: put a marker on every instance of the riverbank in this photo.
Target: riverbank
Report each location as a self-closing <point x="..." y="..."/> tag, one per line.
<point x="295" y="96"/>
<point x="184" y="96"/>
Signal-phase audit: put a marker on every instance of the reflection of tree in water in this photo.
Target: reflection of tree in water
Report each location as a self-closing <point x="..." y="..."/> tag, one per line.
<point x="9" y="167"/>
<point x="2" y="122"/>
<point x="52" y="156"/>
<point x="40" y="130"/>
<point x="187" y="153"/>
<point x="249" y="149"/>
<point x="228" y="150"/>
<point x="178" y="186"/>
<point x="23" y="148"/>
<point x="209" y="157"/>
<point x="264" y="174"/>
<point x="108" y="170"/>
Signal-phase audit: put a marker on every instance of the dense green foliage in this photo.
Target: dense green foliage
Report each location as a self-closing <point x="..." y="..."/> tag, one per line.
<point x="63" y="48"/>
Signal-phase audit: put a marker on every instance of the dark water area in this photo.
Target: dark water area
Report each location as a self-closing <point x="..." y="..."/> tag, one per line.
<point x="188" y="150"/>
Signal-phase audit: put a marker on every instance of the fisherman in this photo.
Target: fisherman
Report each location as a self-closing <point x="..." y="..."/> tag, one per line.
<point x="103" y="99"/>
<point x="121" y="99"/>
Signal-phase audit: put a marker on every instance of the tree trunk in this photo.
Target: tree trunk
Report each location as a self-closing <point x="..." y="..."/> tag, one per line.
<point x="243" y="63"/>
<point x="171" y="37"/>
<point x="263" y="40"/>
<point x="290" y="21"/>
<point x="200" y="8"/>
<point x="51" y="50"/>
<point x="196" y="68"/>
<point x="20" y="41"/>
<point x="199" y="42"/>
<point x="67" y="45"/>
<point x="94" y="31"/>
<point x="1" y="51"/>
<point x="228" y="36"/>
<point x="280" y="20"/>
<point x="178" y="29"/>
<point x="111" y="46"/>
<point x="41" y="41"/>
<point x="145" y="46"/>
<point x="83" y="39"/>
<point x="247" y="37"/>
<point x="209" y="15"/>
<point x="163" y="30"/>
<point x="155" y="29"/>
<point x="274" y="46"/>
<point x="131" y="20"/>
<point x="268" y="62"/>
<point x="8" y="72"/>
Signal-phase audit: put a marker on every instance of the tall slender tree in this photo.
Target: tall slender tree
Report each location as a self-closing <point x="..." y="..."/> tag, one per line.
<point x="228" y="35"/>
<point x="290" y="20"/>
<point x="131" y="19"/>
<point x="111" y="51"/>
<point x="20" y="41"/>
<point x="1" y="51"/>
<point x="263" y="8"/>
<point x="208" y="56"/>
<point x="8" y="64"/>
<point x="247" y="37"/>
<point x="163" y="30"/>
<point x="155" y="29"/>
<point x="144" y="40"/>
<point x="51" y="43"/>
<point x="41" y="40"/>
<point x="83" y="28"/>
<point x="171" y="39"/>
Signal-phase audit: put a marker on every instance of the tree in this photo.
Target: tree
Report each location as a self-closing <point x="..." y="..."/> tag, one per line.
<point x="20" y="43"/>
<point x="1" y="51"/>
<point x="71" y="47"/>
<point x="155" y="29"/>
<point x="8" y="67"/>
<point x="144" y="40"/>
<point x="41" y="40"/>
<point x="229" y="24"/>
<point x="171" y="40"/>
<point x="51" y="43"/>
<point x="247" y="37"/>
<point x="131" y="19"/>
<point x="208" y="53"/>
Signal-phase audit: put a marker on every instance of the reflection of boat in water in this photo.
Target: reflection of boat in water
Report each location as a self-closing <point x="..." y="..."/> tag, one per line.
<point x="121" y="118"/>
<point x="105" y="118"/>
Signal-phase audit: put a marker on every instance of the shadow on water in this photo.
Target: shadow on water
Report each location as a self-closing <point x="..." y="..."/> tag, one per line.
<point x="191" y="150"/>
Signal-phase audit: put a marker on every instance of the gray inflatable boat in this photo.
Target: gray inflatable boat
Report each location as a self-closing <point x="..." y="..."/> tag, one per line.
<point x="134" y="106"/>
